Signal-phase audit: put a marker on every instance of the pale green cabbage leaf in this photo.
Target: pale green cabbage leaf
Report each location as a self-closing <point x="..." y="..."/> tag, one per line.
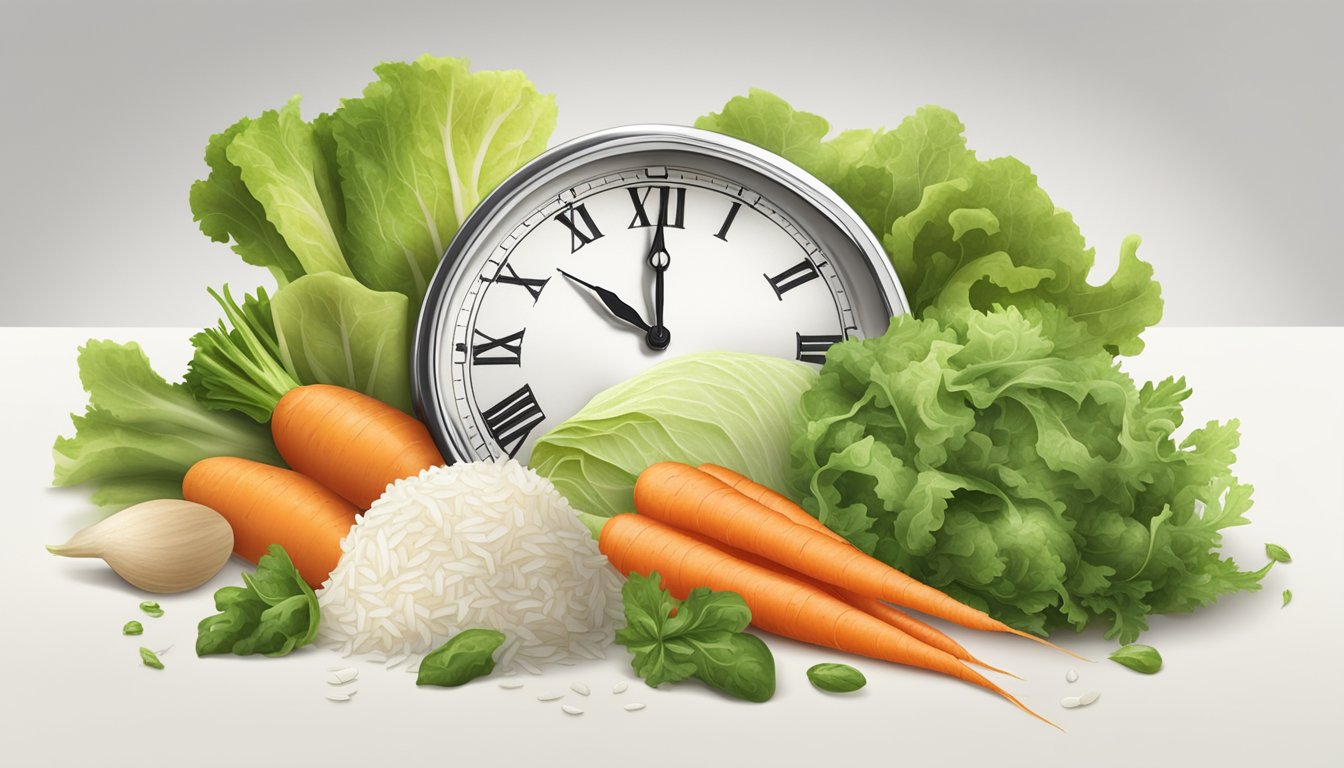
<point x="727" y="408"/>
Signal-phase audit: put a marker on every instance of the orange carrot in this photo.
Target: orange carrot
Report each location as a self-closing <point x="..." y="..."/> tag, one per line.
<point x="268" y="505"/>
<point x="778" y="603"/>
<point x="894" y="616"/>
<point x="350" y="442"/>
<point x="685" y="497"/>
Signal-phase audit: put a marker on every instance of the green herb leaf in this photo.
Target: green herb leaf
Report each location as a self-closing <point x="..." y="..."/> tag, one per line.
<point x="466" y="656"/>
<point x="141" y="434"/>
<point x="1287" y="598"/>
<point x="150" y="658"/>
<point x="1277" y="554"/>
<point x="133" y="628"/>
<point x="1140" y="658"/>
<point x="836" y="678"/>
<point x="273" y="614"/>
<point x="670" y="640"/>
<point x="151" y="608"/>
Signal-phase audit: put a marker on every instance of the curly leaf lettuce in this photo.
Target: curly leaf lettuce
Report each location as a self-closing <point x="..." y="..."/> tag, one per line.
<point x="961" y="232"/>
<point x="727" y="408"/>
<point x="1032" y="480"/>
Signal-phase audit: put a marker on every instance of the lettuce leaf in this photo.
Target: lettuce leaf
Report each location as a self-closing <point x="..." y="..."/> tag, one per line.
<point x="960" y="231"/>
<point x="141" y="434"/>
<point x="726" y="408"/>
<point x="333" y="330"/>
<point x="1025" y="477"/>
<point x="423" y="145"/>
<point x="285" y="170"/>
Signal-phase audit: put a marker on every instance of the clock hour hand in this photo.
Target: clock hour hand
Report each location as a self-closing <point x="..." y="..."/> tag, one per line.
<point x="612" y="302"/>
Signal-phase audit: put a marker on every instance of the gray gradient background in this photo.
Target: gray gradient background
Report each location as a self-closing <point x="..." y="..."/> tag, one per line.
<point x="1212" y="129"/>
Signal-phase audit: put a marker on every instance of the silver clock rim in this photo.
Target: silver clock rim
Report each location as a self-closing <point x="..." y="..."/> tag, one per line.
<point x="424" y="377"/>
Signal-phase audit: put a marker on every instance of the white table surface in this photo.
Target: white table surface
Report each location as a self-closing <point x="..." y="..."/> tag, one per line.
<point x="1245" y="682"/>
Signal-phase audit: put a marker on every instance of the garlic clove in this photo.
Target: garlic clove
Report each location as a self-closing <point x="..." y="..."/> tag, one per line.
<point x="165" y="545"/>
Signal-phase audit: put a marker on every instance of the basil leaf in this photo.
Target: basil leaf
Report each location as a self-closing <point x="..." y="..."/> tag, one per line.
<point x="1278" y="554"/>
<point x="150" y="658"/>
<point x="151" y="608"/>
<point x="836" y="678"/>
<point x="670" y="640"/>
<point x="1140" y="658"/>
<point x="1287" y="598"/>
<point x="133" y="628"/>
<point x="465" y="657"/>
<point x="273" y="614"/>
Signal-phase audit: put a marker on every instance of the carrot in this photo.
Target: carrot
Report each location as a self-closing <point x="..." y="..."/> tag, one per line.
<point x="268" y="505"/>
<point x="350" y="442"/>
<point x="685" y="497"/>
<point x="894" y="616"/>
<point x="779" y="604"/>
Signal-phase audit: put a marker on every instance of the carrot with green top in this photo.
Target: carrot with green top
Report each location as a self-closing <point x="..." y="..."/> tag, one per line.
<point x="686" y="498"/>
<point x="779" y="604"/>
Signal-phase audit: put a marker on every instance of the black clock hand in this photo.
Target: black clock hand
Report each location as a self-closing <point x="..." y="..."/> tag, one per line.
<point x="613" y="303"/>
<point x="659" y="259"/>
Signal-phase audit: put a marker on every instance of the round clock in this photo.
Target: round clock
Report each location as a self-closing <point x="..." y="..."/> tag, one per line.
<point x="617" y="250"/>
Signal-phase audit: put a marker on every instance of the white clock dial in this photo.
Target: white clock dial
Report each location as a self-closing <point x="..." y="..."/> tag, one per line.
<point x="557" y="295"/>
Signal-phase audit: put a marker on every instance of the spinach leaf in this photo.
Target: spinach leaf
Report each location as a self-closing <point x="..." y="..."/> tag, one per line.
<point x="1138" y="657"/>
<point x="151" y="609"/>
<point x="133" y="628"/>
<point x="466" y="656"/>
<point x="273" y="614"/>
<point x="836" y="678"/>
<point x="1287" y="598"/>
<point x="670" y="640"/>
<point x="1277" y="554"/>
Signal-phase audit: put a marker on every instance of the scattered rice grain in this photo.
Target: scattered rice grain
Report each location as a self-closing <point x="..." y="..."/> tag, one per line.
<point x="342" y="675"/>
<point x="552" y="696"/>
<point x="340" y="695"/>
<point x="620" y="687"/>
<point x="511" y="685"/>
<point x="1071" y="676"/>
<point x="580" y="689"/>
<point x="570" y="709"/>
<point x="633" y="707"/>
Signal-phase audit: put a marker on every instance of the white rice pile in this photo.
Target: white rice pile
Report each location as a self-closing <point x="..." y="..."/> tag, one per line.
<point x="471" y="545"/>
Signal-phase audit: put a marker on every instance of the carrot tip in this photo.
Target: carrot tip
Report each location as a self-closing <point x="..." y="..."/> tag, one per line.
<point x="1043" y="641"/>
<point x="992" y="668"/>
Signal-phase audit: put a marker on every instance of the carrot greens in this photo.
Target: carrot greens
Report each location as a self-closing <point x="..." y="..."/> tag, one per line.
<point x="702" y="637"/>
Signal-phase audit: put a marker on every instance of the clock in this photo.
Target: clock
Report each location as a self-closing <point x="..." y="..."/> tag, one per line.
<point x="617" y="250"/>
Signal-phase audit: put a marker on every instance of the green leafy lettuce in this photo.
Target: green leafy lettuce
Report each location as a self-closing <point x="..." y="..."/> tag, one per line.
<point x="702" y="637"/>
<point x="274" y="612"/>
<point x="141" y="434"/>
<point x="726" y="408"/>
<point x="960" y="231"/>
<point x="1027" y="478"/>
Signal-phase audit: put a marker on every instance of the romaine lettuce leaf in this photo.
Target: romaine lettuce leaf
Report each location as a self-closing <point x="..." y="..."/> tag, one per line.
<point x="284" y="168"/>
<point x="141" y="434"/>
<point x="727" y="408"/>
<point x="227" y="211"/>
<point x="1029" y="479"/>
<point x="332" y="330"/>
<point x="418" y="151"/>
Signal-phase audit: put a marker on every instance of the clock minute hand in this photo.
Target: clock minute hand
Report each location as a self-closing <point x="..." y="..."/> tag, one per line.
<point x="659" y="259"/>
<point x="612" y="302"/>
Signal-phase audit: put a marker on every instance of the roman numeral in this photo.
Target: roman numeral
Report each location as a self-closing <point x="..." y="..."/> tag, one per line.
<point x="791" y="278"/>
<point x="812" y="349"/>
<point x="512" y="419"/>
<point x="582" y="229"/>
<point x="639" y="197"/>
<point x="728" y="222"/>
<point x="533" y="285"/>
<point x="507" y="350"/>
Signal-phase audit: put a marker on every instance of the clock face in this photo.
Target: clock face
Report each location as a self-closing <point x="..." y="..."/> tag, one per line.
<point x="590" y="266"/>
